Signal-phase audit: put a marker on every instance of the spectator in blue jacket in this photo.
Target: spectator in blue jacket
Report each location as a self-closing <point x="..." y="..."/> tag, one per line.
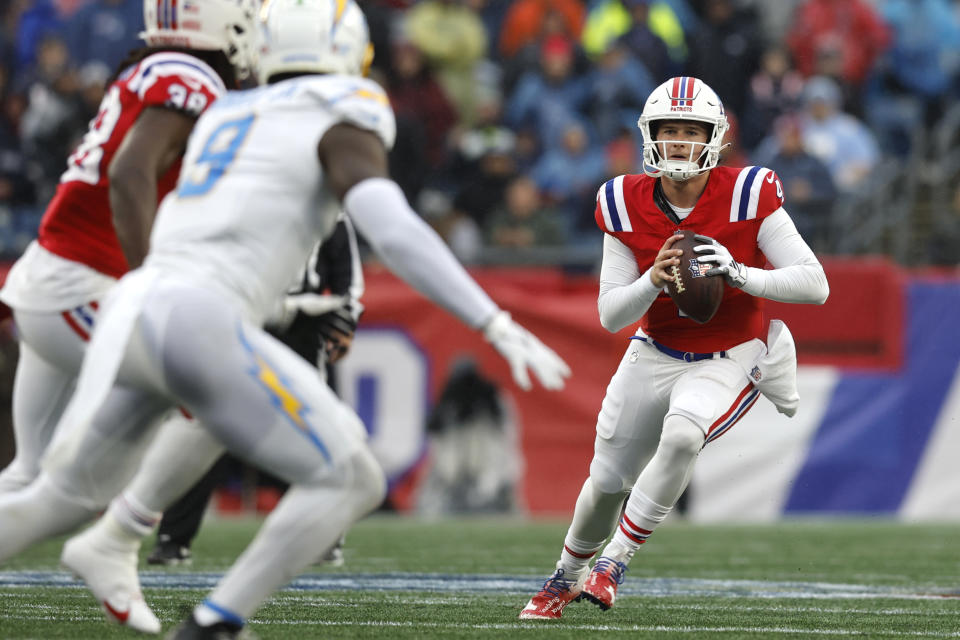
<point x="918" y="76"/>
<point x="806" y="181"/>
<point x="840" y="140"/>
<point x="546" y="99"/>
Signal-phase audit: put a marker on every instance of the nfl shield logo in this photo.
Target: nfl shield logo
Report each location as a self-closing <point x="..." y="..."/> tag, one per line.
<point x="696" y="269"/>
<point x="755" y="374"/>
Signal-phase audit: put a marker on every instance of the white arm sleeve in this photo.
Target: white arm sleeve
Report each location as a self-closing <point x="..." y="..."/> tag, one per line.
<point x="625" y="295"/>
<point x="414" y="251"/>
<point x="797" y="275"/>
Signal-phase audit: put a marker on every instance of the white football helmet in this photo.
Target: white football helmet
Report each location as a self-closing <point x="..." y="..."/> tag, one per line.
<point x="314" y="36"/>
<point x="682" y="98"/>
<point x="225" y="25"/>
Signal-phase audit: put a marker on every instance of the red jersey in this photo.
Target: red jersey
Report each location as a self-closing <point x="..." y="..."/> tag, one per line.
<point x="730" y="210"/>
<point x="78" y="224"/>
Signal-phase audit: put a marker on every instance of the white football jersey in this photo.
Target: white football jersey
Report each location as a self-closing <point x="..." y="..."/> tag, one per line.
<point x="251" y="202"/>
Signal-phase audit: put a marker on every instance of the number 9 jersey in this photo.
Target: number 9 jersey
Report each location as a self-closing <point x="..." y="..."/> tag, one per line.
<point x="77" y="224"/>
<point x="251" y="201"/>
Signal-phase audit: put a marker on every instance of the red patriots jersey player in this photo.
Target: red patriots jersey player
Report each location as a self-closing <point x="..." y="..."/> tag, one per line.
<point x="731" y="208"/>
<point x="680" y="384"/>
<point x="78" y="222"/>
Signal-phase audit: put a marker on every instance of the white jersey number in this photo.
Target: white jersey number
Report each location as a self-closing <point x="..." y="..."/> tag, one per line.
<point x="218" y="152"/>
<point x="84" y="164"/>
<point x="193" y="102"/>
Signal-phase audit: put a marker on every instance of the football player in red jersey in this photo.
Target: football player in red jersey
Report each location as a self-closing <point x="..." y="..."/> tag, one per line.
<point x="95" y="227"/>
<point x="680" y="384"/>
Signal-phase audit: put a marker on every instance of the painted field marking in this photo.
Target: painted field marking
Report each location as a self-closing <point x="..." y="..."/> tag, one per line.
<point x="500" y="584"/>
<point x="548" y="627"/>
<point x="539" y="625"/>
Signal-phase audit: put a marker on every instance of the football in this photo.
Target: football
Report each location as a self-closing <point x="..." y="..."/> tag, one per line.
<point x="695" y="293"/>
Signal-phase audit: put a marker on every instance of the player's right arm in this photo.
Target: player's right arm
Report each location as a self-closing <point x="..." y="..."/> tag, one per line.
<point x="172" y="89"/>
<point x="355" y="169"/>
<point x="625" y="293"/>
<point x="152" y="145"/>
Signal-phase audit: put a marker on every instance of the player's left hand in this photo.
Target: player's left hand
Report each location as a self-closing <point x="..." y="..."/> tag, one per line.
<point x="337" y="346"/>
<point x="712" y="251"/>
<point x="522" y="349"/>
<point x="336" y="328"/>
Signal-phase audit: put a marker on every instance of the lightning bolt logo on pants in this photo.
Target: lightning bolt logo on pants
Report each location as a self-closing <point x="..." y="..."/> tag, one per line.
<point x="281" y="394"/>
<point x="282" y="397"/>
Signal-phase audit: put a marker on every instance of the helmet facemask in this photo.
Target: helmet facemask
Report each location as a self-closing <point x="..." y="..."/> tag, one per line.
<point x="244" y="47"/>
<point x="697" y="154"/>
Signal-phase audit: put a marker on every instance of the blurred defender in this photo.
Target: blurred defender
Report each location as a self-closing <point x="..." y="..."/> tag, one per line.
<point x="263" y="178"/>
<point x="680" y="384"/>
<point x="330" y="289"/>
<point x="98" y="224"/>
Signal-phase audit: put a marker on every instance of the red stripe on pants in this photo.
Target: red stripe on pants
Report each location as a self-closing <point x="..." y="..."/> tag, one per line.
<point x="80" y="331"/>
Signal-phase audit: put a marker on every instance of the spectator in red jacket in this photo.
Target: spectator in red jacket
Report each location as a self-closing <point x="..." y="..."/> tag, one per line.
<point x="853" y="25"/>
<point x="526" y="20"/>
<point x="427" y="114"/>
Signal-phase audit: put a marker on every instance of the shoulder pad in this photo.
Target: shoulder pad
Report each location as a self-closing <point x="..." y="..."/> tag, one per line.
<point x="756" y="194"/>
<point x="613" y="207"/>
<point x="360" y="102"/>
<point x="169" y="67"/>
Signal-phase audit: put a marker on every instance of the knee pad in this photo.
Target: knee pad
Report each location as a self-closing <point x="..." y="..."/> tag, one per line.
<point x="681" y="437"/>
<point x="606" y="479"/>
<point x="698" y="408"/>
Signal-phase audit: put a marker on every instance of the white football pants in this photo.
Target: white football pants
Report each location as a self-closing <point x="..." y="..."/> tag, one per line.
<point x="52" y="345"/>
<point x="649" y="392"/>
<point x="161" y="343"/>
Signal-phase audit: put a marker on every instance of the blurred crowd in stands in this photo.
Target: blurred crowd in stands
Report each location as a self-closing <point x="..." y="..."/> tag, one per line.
<point x="512" y="113"/>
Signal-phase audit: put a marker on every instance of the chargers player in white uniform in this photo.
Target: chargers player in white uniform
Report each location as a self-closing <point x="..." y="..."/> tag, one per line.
<point x="265" y="174"/>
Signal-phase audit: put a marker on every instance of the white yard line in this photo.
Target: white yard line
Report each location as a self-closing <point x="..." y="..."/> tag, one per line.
<point x="551" y="628"/>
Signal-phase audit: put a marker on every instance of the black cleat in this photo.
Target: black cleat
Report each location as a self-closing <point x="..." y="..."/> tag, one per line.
<point x="189" y="629"/>
<point x="170" y="553"/>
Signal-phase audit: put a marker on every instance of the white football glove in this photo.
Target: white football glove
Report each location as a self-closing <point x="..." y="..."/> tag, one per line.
<point x="522" y="349"/>
<point x="734" y="272"/>
<point x="312" y="304"/>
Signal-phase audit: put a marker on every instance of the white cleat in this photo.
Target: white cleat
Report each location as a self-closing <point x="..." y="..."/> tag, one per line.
<point x="111" y="575"/>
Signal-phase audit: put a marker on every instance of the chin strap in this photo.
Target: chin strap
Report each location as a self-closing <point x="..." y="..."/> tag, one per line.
<point x="660" y="199"/>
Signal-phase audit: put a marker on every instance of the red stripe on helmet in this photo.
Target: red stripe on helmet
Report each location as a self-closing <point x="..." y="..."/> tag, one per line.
<point x="675" y="93"/>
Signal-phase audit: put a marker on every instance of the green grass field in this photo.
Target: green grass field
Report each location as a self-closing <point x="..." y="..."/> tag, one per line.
<point x="469" y="578"/>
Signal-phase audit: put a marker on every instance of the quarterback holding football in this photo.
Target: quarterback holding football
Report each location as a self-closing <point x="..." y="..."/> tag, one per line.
<point x="702" y="355"/>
